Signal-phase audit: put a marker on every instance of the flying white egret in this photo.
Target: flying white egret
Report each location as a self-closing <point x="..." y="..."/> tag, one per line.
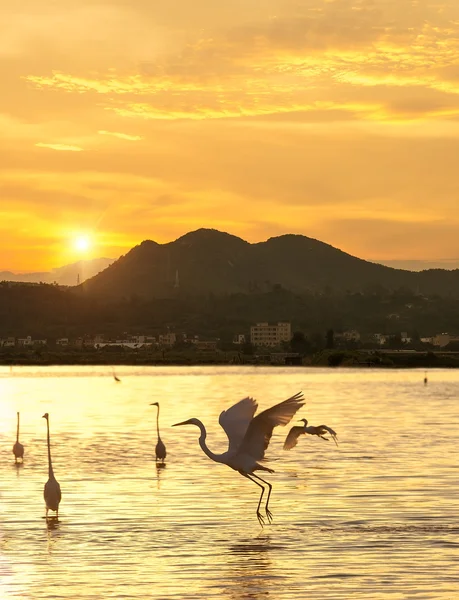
<point x="320" y="430"/>
<point x="52" y="491"/>
<point x="249" y="438"/>
<point x="160" y="449"/>
<point x="18" y="449"/>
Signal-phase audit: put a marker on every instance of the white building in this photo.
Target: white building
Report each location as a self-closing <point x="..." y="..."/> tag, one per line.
<point x="167" y="339"/>
<point x="9" y="342"/>
<point x="380" y="338"/>
<point x="351" y="335"/>
<point x="28" y="342"/>
<point x="25" y="341"/>
<point x="123" y="344"/>
<point x="62" y="342"/>
<point x="239" y="338"/>
<point x="264" y="334"/>
<point x="443" y="339"/>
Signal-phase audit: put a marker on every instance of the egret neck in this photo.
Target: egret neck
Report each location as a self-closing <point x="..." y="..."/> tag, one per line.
<point x="157" y="421"/>
<point x="50" y="464"/>
<point x="202" y="439"/>
<point x="202" y="442"/>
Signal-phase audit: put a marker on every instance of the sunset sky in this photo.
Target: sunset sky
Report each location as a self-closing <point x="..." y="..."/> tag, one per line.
<point x="125" y="120"/>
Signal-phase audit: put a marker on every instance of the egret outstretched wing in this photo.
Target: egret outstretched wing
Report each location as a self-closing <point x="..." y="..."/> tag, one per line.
<point x="260" y="430"/>
<point x="235" y="421"/>
<point x="292" y="438"/>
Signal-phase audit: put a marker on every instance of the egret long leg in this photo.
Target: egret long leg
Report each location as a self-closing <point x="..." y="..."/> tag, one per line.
<point x="259" y="515"/>
<point x="268" y="512"/>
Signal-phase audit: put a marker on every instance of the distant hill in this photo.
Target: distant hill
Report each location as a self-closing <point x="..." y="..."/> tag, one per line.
<point x="422" y="265"/>
<point x="207" y="261"/>
<point x="66" y="275"/>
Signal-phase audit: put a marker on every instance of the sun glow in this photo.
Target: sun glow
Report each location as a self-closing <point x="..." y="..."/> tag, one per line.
<point x="82" y="243"/>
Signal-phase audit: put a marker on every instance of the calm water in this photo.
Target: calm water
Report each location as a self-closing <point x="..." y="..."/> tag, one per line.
<point x="377" y="517"/>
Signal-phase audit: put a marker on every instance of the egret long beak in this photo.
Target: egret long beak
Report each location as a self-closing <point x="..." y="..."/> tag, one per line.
<point x="182" y="423"/>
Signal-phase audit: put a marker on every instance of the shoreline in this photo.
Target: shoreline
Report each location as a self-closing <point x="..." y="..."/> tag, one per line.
<point x="327" y="358"/>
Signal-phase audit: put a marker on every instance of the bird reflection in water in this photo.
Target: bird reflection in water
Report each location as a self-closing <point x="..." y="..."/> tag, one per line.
<point x="53" y="532"/>
<point x="250" y="569"/>
<point x="52" y="523"/>
<point x="159" y="467"/>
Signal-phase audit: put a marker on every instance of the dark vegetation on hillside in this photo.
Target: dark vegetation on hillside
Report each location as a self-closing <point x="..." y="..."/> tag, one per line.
<point x="214" y="284"/>
<point x="208" y="261"/>
<point x="45" y="311"/>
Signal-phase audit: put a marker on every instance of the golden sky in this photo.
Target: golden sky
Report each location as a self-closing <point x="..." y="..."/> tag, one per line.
<point x="127" y="120"/>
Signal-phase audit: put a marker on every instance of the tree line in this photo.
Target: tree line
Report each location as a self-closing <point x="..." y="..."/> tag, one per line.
<point x="47" y="311"/>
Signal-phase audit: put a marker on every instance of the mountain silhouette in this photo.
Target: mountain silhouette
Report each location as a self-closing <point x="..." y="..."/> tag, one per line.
<point x="208" y="261"/>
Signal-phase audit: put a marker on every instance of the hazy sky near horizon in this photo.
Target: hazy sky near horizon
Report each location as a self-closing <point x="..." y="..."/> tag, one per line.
<point x="131" y="120"/>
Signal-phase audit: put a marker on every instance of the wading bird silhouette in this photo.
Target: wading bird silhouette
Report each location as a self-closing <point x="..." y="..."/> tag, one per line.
<point x="52" y="491"/>
<point x="249" y="438"/>
<point x="18" y="449"/>
<point x="160" y="449"/>
<point x="320" y="430"/>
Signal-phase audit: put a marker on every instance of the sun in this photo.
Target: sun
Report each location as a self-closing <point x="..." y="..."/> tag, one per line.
<point x="82" y="243"/>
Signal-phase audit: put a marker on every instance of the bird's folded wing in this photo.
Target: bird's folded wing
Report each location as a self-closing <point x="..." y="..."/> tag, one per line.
<point x="236" y="420"/>
<point x="292" y="438"/>
<point x="260" y="430"/>
<point x="331" y="432"/>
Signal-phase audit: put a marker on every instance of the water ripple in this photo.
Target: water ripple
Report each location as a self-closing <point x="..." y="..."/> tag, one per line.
<point x="375" y="518"/>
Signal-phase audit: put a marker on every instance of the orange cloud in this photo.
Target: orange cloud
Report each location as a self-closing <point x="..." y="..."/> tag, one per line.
<point x="312" y="117"/>
<point x="61" y="147"/>
<point x="121" y="136"/>
<point x="295" y="64"/>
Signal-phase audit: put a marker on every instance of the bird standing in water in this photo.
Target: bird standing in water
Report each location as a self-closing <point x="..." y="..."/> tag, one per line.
<point x="160" y="449"/>
<point x="249" y="438"/>
<point x="320" y="430"/>
<point x="52" y="491"/>
<point x="18" y="448"/>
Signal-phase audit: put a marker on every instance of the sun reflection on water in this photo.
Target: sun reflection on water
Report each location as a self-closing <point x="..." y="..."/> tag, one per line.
<point x="365" y="518"/>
